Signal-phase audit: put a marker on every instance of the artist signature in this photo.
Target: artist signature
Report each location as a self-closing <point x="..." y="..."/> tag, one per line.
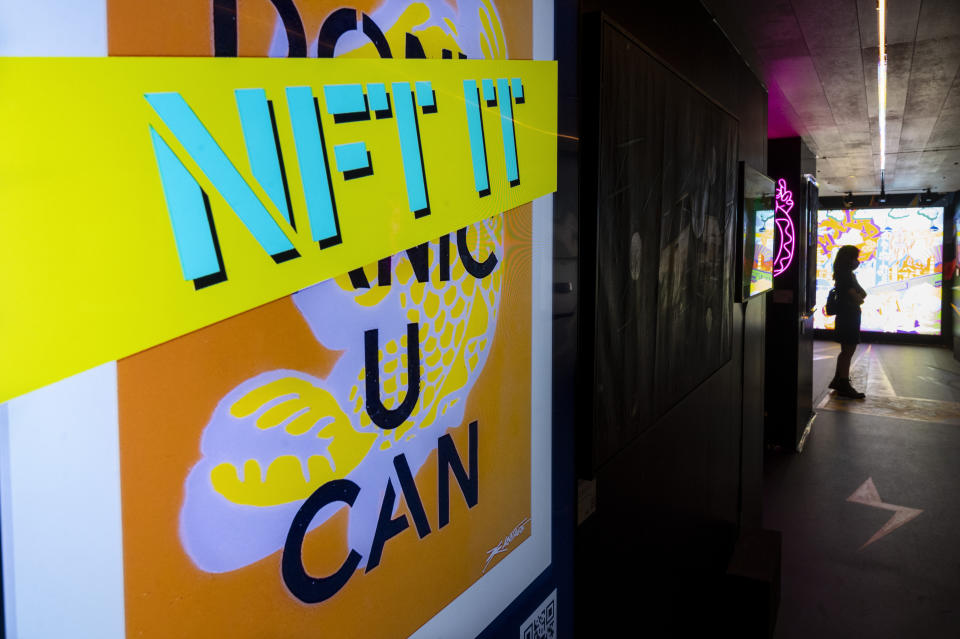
<point x="504" y="543"/>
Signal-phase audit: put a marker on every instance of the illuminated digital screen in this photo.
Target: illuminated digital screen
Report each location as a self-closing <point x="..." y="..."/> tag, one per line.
<point x="758" y="224"/>
<point x="761" y="274"/>
<point x="901" y="265"/>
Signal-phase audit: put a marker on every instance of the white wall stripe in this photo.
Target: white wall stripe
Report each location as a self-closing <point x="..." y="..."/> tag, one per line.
<point x="50" y="28"/>
<point x="60" y="497"/>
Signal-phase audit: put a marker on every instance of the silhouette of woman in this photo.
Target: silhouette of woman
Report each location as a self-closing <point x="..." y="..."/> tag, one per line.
<point x="850" y="296"/>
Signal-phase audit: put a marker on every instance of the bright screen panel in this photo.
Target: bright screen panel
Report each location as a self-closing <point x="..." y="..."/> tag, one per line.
<point x="901" y="266"/>
<point x="761" y="273"/>
<point x="755" y="254"/>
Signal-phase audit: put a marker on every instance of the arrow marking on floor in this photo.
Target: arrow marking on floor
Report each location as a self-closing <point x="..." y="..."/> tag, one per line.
<point x="867" y="494"/>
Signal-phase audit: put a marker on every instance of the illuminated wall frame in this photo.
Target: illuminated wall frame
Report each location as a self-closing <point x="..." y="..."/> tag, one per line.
<point x="901" y="267"/>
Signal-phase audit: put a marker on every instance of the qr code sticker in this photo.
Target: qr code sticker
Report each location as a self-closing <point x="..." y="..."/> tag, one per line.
<point x="542" y="624"/>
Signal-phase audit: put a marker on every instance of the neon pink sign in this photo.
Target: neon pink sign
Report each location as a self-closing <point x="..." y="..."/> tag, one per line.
<point x="784" y="204"/>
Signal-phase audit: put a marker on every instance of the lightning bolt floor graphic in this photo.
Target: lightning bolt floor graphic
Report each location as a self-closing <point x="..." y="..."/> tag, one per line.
<point x="867" y="494"/>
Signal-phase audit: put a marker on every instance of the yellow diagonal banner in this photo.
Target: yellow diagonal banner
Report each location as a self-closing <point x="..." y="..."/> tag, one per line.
<point x="144" y="198"/>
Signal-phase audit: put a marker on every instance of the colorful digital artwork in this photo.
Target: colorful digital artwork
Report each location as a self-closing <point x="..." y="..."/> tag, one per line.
<point x="761" y="275"/>
<point x="901" y="265"/>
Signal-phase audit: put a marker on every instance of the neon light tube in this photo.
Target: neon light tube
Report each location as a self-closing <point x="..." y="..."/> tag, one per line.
<point x="781" y="217"/>
<point x="882" y="84"/>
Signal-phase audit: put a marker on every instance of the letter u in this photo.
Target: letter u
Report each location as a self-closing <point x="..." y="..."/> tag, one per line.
<point x="382" y="416"/>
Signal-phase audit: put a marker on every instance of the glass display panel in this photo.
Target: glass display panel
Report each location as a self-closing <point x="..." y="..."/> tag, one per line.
<point x="757" y="226"/>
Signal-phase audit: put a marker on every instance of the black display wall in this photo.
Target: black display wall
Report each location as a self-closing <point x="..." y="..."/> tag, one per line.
<point x="658" y="202"/>
<point x="789" y="381"/>
<point x="680" y="467"/>
<point x="621" y="181"/>
<point x="697" y="225"/>
<point x="685" y="37"/>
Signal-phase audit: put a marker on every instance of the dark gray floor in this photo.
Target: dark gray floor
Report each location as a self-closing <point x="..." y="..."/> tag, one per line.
<point x="824" y="364"/>
<point x="906" y="584"/>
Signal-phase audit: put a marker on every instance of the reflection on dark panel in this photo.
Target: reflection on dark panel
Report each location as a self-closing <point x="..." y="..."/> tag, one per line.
<point x="696" y="243"/>
<point x="628" y="198"/>
<point x="658" y="206"/>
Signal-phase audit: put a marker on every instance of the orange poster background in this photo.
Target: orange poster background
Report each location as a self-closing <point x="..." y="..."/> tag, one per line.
<point x="166" y="396"/>
<point x="185" y="27"/>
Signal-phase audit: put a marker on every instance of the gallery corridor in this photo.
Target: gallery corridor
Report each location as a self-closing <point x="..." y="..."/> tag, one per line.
<point x="869" y="510"/>
<point x="479" y="319"/>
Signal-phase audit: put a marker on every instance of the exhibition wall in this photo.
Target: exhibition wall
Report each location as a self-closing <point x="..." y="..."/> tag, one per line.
<point x="667" y="491"/>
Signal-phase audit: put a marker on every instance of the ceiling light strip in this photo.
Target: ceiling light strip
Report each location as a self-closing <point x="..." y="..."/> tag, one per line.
<point x="882" y="85"/>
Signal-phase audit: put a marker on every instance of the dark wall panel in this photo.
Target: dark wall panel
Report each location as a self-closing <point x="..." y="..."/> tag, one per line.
<point x="685" y="37"/>
<point x="627" y="203"/>
<point x="696" y="243"/>
<point x="751" y="455"/>
<point x="656" y="237"/>
<point x="686" y="468"/>
<point x="653" y="555"/>
<point x="789" y="334"/>
<point x="671" y="492"/>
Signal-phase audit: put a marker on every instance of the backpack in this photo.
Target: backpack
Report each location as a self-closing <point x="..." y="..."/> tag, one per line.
<point x="833" y="301"/>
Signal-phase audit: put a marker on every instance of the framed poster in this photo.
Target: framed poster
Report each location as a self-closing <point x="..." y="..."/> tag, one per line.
<point x="365" y="456"/>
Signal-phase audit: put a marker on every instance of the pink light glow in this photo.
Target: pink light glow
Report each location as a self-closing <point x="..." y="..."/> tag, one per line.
<point x="784" y="204"/>
<point x="782" y="118"/>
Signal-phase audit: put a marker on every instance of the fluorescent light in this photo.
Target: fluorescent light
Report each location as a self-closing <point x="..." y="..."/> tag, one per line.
<point x="882" y="84"/>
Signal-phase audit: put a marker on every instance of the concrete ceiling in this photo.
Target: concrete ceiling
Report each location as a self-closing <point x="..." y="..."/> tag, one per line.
<point x="818" y="59"/>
